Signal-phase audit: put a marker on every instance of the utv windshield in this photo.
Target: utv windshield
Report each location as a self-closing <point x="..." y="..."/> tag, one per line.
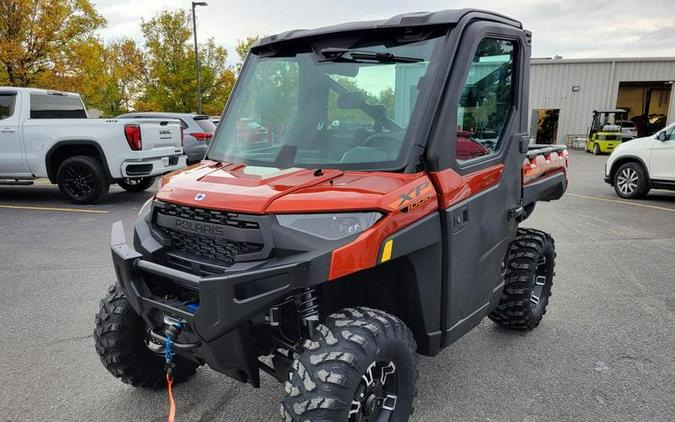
<point x="342" y="104"/>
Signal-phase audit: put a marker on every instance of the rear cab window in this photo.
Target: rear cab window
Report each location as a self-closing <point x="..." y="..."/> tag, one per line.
<point x="56" y="106"/>
<point x="7" y="102"/>
<point x="205" y="124"/>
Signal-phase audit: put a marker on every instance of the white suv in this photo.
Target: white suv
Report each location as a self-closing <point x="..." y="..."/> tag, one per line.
<point x="642" y="164"/>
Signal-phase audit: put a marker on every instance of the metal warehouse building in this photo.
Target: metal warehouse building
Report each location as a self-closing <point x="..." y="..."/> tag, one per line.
<point x="564" y="93"/>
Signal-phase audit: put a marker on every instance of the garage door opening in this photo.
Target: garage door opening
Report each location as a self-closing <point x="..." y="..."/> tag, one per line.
<point x="647" y="104"/>
<point x="545" y="125"/>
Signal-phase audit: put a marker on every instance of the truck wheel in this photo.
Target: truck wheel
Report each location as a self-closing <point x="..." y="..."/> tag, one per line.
<point x="596" y="149"/>
<point x="136" y="185"/>
<point x="359" y="367"/>
<point x="630" y="181"/>
<point x="122" y="343"/>
<point x="527" y="285"/>
<point x="82" y="179"/>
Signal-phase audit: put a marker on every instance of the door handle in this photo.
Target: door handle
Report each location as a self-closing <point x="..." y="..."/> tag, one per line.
<point x="7" y="130"/>
<point x="460" y="218"/>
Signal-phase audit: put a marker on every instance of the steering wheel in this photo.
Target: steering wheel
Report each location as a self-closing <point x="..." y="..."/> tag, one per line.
<point x="382" y="140"/>
<point x="388" y="142"/>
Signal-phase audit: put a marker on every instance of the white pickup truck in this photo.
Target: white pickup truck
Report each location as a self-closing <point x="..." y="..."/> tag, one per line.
<point x="47" y="134"/>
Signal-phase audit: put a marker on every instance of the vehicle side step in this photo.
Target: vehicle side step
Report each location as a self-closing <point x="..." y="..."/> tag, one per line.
<point x="15" y="182"/>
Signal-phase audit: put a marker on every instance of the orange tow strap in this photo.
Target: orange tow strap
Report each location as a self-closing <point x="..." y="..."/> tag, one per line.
<point x="172" y="403"/>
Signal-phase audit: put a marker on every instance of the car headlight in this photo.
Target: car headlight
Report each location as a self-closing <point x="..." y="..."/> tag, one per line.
<point x="330" y="226"/>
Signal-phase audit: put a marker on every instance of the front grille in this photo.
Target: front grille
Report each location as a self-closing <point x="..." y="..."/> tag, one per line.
<point x="207" y="216"/>
<point x="211" y="248"/>
<point x="217" y="250"/>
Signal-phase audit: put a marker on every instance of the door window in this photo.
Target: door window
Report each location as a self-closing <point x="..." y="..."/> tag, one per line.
<point x="486" y="100"/>
<point x="6" y="105"/>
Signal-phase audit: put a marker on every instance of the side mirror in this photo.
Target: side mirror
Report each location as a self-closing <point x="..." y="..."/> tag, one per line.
<point x="661" y="136"/>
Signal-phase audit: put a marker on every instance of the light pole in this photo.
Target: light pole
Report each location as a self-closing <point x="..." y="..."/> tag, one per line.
<point x="194" y="31"/>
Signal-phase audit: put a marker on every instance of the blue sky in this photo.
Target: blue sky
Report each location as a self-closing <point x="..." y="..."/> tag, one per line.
<point x="570" y="28"/>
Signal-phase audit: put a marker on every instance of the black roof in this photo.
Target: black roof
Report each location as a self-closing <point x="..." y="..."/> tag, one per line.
<point x="403" y="20"/>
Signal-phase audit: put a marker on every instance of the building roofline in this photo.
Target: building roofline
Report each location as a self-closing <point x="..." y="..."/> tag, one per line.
<point x="552" y="61"/>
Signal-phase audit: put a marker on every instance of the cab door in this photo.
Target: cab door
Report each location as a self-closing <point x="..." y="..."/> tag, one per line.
<point x="662" y="157"/>
<point x="479" y="143"/>
<point x="11" y="152"/>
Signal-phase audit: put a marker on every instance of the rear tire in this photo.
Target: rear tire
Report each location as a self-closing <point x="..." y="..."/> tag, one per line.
<point x="82" y="179"/>
<point x="530" y="268"/>
<point x="136" y="184"/>
<point x="630" y="181"/>
<point x="120" y="337"/>
<point x="596" y="149"/>
<point x="339" y="376"/>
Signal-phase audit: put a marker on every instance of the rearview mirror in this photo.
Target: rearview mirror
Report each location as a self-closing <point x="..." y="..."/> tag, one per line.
<point x="661" y="136"/>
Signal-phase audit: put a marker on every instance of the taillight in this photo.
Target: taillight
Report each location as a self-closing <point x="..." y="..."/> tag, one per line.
<point x="202" y="136"/>
<point x="133" y="134"/>
<point x="182" y="137"/>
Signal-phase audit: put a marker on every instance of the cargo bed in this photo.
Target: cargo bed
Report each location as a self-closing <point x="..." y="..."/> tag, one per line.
<point x="544" y="173"/>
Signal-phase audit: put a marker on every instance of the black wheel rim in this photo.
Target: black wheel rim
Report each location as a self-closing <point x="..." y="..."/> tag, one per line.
<point x="541" y="287"/>
<point x="376" y="395"/>
<point x="78" y="181"/>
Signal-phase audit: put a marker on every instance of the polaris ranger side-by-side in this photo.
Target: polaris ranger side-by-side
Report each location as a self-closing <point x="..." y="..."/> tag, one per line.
<point x="379" y="219"/>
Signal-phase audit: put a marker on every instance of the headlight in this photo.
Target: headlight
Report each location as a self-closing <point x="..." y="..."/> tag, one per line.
<point x="330" y="226"/>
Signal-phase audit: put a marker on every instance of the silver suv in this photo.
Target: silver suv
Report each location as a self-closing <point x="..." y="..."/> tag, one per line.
<point x="197" y="131"/>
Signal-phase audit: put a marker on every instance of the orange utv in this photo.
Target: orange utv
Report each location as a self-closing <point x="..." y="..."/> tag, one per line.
<point x="379" y="219"/>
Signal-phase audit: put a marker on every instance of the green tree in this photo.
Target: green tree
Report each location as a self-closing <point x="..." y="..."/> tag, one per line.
<point x="242" y="49"/>
<point x="387" y="97"/>
<point x="243" y="46"/>
<point x="170" y="83"/>
<point x="35" y="36"/>
<point x="108" y="76"/>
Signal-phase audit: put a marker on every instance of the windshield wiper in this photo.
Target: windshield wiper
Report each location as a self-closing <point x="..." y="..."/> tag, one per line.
<point x="346" y="55"/>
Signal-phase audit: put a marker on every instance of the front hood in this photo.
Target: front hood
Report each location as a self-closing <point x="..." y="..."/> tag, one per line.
<point x="635" y="144"/>
<point x="260" y="190"/>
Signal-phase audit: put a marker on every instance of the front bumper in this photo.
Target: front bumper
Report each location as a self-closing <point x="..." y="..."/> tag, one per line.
<point x="156" y="166"/>
<point x="216" y="329"/>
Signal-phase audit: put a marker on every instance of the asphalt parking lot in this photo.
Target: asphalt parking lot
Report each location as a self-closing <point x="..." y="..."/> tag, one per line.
<point x="605" y="350"/>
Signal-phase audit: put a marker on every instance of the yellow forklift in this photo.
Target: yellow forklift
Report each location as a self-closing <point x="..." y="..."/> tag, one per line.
<point x="605" y="133"/>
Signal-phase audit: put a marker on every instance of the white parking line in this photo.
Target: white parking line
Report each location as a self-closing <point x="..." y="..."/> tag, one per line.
<point x="30" y="207"/>
<point x="617" y="201"/>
